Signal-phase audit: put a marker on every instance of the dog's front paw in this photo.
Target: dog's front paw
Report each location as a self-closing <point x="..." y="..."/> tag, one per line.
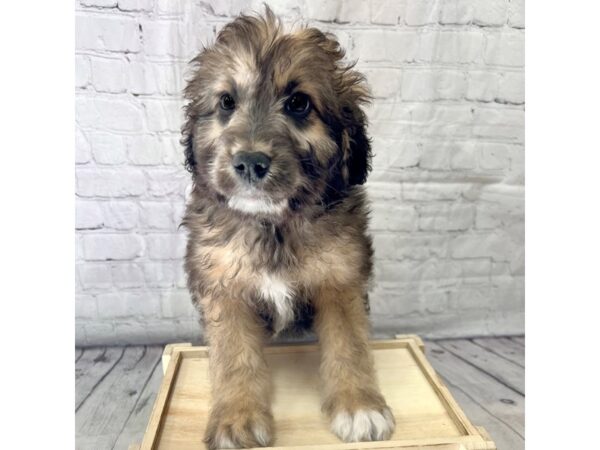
<point x="363" y="425"/>
<point x="231" y="427"/>
<point x="358" y="416"/>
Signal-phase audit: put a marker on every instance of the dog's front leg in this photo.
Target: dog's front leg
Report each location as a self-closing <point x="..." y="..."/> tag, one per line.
<point x="241" y="411"/>
<point x="356" y="408"/>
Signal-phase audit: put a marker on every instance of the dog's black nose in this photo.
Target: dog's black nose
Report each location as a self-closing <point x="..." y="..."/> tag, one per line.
<point x="251" y="166"/>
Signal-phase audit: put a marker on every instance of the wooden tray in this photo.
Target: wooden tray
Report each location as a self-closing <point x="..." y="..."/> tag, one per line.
<point x="427" y="417"/>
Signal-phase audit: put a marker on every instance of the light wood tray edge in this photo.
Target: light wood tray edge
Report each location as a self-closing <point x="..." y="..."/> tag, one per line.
<point x="183" y="346"/>
<point x="168" y="351"/>
<point x="412" y="447"/>
<point x="412" y="337"/>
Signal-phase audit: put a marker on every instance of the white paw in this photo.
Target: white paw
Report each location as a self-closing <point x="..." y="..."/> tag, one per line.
<point x="225" y="442"/>
<point x="261" y="435"/>
<point x="363" y="425"/>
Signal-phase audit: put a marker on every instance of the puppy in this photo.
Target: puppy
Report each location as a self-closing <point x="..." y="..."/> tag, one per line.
<point x="275" y="140"/>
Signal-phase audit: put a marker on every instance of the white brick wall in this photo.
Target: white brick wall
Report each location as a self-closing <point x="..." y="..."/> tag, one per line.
<point x="448" y="180"/>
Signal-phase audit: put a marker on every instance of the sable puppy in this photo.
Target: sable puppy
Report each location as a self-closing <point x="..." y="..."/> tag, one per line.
<point x="275" y="139"/>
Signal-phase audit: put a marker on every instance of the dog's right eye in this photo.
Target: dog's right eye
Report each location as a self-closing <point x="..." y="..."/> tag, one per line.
<point x="298" y="105"/>
<point x="227" y="102"/>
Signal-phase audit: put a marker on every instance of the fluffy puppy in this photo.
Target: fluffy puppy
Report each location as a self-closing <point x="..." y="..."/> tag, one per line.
<point x="275" y="139"/>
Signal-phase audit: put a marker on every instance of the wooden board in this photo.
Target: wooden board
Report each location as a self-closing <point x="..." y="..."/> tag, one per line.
<point x="133" y="429"/>
<point x="482" y="398"/>
<point x="427" y="416"/>
<point x="498" y="399"/>
<point x="101" y="418"/>
<point x="419" y="447"/>
<point x="505" y="372"/>
<point x="93" y="365"/>
<point x="505" y="348"/>
<point x="519" y="340"/>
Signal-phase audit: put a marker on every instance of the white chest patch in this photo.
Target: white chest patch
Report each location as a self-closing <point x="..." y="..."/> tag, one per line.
<point x="275" y="291"/>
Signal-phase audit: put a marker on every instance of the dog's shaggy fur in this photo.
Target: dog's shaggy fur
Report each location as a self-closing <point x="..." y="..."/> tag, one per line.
<point x="286" y="244"/>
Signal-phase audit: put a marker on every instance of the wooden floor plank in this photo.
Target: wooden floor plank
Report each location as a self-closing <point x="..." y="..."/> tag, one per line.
<point x="135" y="427"/>
<point x="502" y="434"/>
<point x="501" y="402"/>
<point x="505" y="348"/>
<point x="92" y="367"/>
<point x="504" y="371"/>
<point x="519" y="340"/>
<point x="94" y="442"/>
<point x="103" y="416"/>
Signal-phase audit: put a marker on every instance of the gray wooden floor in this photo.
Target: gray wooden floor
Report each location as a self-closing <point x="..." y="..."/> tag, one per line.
<point x="115" y="389"/>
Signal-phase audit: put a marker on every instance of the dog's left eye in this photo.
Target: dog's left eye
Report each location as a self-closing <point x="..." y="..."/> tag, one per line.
<point x="227" y="102"/>
<point x="298" y="105"/>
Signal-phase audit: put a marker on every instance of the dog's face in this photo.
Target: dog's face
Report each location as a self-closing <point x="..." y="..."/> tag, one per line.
<point x="274" y="121"/>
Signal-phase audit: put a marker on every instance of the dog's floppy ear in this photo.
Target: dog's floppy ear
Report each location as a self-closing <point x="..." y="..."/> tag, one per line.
<point x="357" y="151"/>
<point x="353" y="94"/>
<point x="347" y="119"/>
<point x="191" y="113"/>
<point x="187" y="140"/>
